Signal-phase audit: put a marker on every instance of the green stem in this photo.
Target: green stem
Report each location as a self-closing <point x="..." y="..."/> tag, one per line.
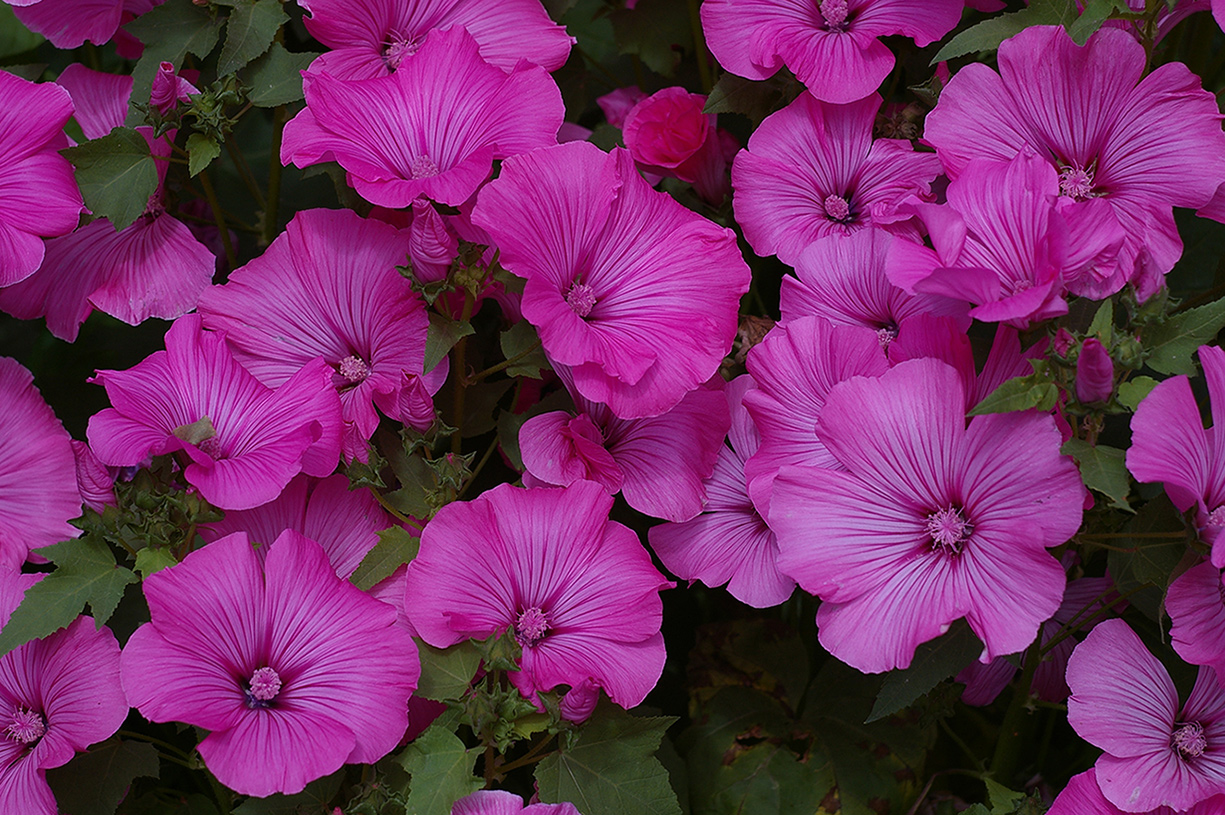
<point x="461" y="382"/>
<point x="531" y="757"/>
<point x="699" y="46"/>
<point x="501" y="366"/>
<point x="210" y="195"/>
<point x="244" y="171"/>
<point x="480" y="465"/>
<point x="489" y="754"/>
<point x="1008" y="746"/>
<point x="132" y="734"/>
<point x="279" y="118"/>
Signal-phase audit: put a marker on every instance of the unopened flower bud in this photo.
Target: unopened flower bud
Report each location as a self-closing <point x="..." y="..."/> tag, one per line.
<point x="1094" y="372"/>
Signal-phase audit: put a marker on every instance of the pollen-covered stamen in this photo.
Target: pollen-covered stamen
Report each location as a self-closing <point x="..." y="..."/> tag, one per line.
<point x="580" y="298"/>
<point x="838" y="209"/>
<point x="1217" y="516"/>
<point x="885" y="335"/>
<point x="265" y="684"/>
<point x="397" y="49"/>
<point x="1076" y="183"/>
<point x="422" y="167"/>
<point x="531" y="627"/>
<point x="835" y="13"/>
<point x="353" y="368"/>
<point x="949" y="530"/>
<point x="1188" y="739"/>
<point x="26" y="726"/>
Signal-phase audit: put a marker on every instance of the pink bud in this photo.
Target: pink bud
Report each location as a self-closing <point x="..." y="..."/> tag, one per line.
<point x="1094" y="372"/>
<point x="580" y="701"/>
<point x="617" y="105"/>
<point x="1063" y="342"/>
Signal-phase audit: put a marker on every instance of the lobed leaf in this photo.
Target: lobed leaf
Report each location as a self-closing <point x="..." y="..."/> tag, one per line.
<point x="1102" y="469"/>
<point x="116" y="174"/>
<point x="249" y="31"/>
<point x="96" y="782"/>
<point x="446" y="673"/>
<point x="441" y="769"/>
<point x="933" y="662"/>
<point x="276" y="77"/>
<point x="987" y="35"/>
<point x="1171" y="344"/>
<point x="396" y="547"/>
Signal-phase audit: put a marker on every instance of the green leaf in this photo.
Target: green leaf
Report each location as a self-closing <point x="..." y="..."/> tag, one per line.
<point x="201" y="150"/>
<point x="756" y="100"/>
<point x="447" y="672"/>
<point x="1003" y="800"/>
<point x="1133" y="391"/>
<point x="987" y="35"/>
<point x="933" y="662"/>
<point x="315" y="798"/>
<point x="657" y="31"/>
<point x="86" y="573"/>
<point x="1096" y="12"/>
<point x="521" y="338"/>
<point x="15" y="38"/>
<point x="396" y="547"/>
<point x="276" y="77"/>
<point x="152" y="560"/>
<point x="441" y="769"/>
<point x="1102" y="469"/>
<point x="95" y="783"/>
<point x="116" y="175"/>
<point x="1022" y="393"/>
<point x="611" y="769"/>
<point x="1171" y="344"/>
<point x="1150" y="558"/>
<point x="761" y="654"/>
<point x="169" y="32"/>
<point x="976" y="809"/>
<point x="249" y="31"/>
<point x="1102" y="326"/>
<point x="441" y="338"/>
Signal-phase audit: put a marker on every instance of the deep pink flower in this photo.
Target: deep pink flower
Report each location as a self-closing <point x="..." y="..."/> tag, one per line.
<point x="1124" y="702"/>
<point x="58" y="695"/>
<point x="1196" y="605"/>
<point x="1082" y="796"/>
<point x="1144" y="145"/>
<point x="500" y="802"/>
<point x="432" y="129"/>
<point x="244" y="440"/>
<point x="830" y="45"/>
<point x="293" y="669"/>
<point x="38" y="487"/>
<point x="636" y="294"/>
<point x="813" y="169"/>
<point x="578" y="591"/>
<point x="328" y="287"/>
<point x="371" y="38"/>
<point x="69" y="23"/>
<point x="1169" y="444"/>
<point x="729" y="542"/>
<point x="926" y="521"/>
<point x="667" y="133"/>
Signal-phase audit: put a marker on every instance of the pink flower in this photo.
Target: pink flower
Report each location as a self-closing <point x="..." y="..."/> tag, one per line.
<point x="1169" y="444"/>
<point x="431" y="129"/>
<point x="58" y="695"/>
<point x="926" y="521"/>
<point x="38" y="487"/>
<point x="636" y="294"/>
<point x="244" y="440"/>
<point x="293" y="670"/>
<point x="617" y="104"/>
<point x="1196" y="605"/>
<point x="1144" y="145"/>
<point x="38" y="192"/>
<point x="1082" y="796"/>
<point x="831" y="45"/>
<point x="667" y="133"/>
<point x="1124" y="702"/>
<point x="69" y="23"/>
<point x="500" y="802"/>
<point x="328" y="287"/>
<point x="371" y="38"/>
<point x="169" y="89"/>
<point x="95" y="480"/>
<point x="578" y="591"/>
<point x="812" y="169"/>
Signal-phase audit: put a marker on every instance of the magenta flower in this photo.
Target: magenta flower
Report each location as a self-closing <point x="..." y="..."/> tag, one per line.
<point x="38" y="192"/>
<point x="578" y="591"/>
<point x="69" y="23"/>
<point x="58" y="695"/>
<point x="1144" y="145"/>
<point x="813" y="169"/>
<point x="1169" y="444"/>
<point x="431" y="129"/>
<point x="293" y="669"/>
<point x="1196" y="605"/>
<point x="668" y="134"/>
<point x="636" y="294"/>
<point x="372" y="37"/>
<point x="1082" y="796"/>
<point x="831" y="45"/>
<point x="500" y="802"/>
<point x="1124" y="702"/>
<point x="328" y="287"/>
<point x="926" y="521"/>
<point x="729" y="542"/>
<point x="38" y="486"/>
<point x="244" y="440"/>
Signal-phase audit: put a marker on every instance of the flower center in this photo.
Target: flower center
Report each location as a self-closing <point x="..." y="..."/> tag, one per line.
<point x="353" y="368"/>
<point x="422" y="167"/>
<point x="531" y="626"/>
<point x="26" y="726"/>
<point x="1188" y="740"/>
<point x="397" y="49"/>
<point x="885" y="335"/>
<point x="265" y="684"/>
<point x="838" y="209"/>
<point x="949" y="530"/>
<point x="1076" y="183"/>
<point x="1217" y="516"/>
<point x="835" y="13"/>
<point x="580" y="298"/>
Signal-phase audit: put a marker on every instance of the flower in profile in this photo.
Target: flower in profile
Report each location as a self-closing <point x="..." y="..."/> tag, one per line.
<point x="577" y="590"/>
<point x="813" y="169"/>
<point x="432" y="129"/>
<point x="1123" y="701"/>
<point x="1196" y="605"/>
<point x="244" y="441"/>
<point x="633" y="292"/>
<point x="328" y="287"/>
<point x="38" y="486"/>
<point x="832" y="48"/>
<point x="293" y="670"/>
<point x="1169" y="444"/>
<point x="926" y="520"/>
<point x="169" y="89"/>
<point x="58" y="695"/>
<point x="500" y="802"/>
<point x="1142" y="143"/>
